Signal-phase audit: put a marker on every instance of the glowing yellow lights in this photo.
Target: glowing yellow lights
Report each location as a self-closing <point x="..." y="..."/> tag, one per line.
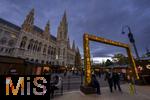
<point x="87" y="65"/>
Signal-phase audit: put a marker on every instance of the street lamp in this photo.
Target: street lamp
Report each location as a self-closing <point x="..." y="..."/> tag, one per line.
<point x="131" y="39"/>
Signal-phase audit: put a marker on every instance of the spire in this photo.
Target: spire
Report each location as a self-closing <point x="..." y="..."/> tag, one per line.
<point x="29" y="22"/>
<point x="47" y="28"/>
<point x="73" y="45"/>
<point x="64" y="19"/>
<point x="58" y="32"/>
<point x="68" y="44"/>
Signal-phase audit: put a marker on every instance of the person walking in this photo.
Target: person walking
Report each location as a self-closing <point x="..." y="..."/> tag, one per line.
<point x="109" y="79"/>
<point x="116" y="80"/>
<point x="55" y="85"/>
<point x="95" y="84"/>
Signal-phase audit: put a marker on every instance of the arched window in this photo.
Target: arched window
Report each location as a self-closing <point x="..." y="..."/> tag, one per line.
<point x="49" y="48"/>
<point x="44" y="50"/>
<point x="11" y="43"/>
<point x="39" y="46"/>
<point x="3" y="40"/>
<point x="35" y="45"/>
<point x="23" y="42"/>
<point x="30" y="44"/>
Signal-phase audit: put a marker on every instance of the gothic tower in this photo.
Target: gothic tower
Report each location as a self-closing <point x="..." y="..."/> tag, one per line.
<point x="73" y="46"/>
<point x="47" y="31"/>
<point x="62" y="31"/>
<point x="68" y="43"/>
<point x="62" y="40"/>
<point x="28" y="23"/>
<point x="27" y="27"/>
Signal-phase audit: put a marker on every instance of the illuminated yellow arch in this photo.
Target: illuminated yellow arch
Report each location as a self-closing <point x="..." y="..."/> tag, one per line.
<point x="87" y="64"/>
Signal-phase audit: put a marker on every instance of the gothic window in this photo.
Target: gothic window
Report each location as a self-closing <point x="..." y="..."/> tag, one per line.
<point x="11" y="43"/>
<point x="23" y="42"/>
<point x="39" y="46"/>
<point x="35" y="45"/>
<point x="6" y="50"/>
<point x="10" y="50"/>
<point x="30" y="44"/>
<point x="44" y="50"/>
<point x="3" y="40"/>
<point x="49" y="48"/>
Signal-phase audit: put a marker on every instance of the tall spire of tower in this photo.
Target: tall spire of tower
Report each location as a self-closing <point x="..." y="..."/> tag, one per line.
<point x="73" y="45"/>
<point x="47" y="28"/>
<point x="68" y="43"/>
<point x="29" y="22"/>
<point x="63" y="28"/>
<point x="64" y="19"/>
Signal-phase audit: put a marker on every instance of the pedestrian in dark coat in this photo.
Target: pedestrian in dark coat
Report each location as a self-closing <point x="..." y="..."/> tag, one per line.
<point x="109" y="78"/>
<point x="116" y="80"/>
<point x="95" y="84"/>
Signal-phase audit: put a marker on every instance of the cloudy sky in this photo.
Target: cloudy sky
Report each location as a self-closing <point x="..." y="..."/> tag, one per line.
<point x="103" y="18"/>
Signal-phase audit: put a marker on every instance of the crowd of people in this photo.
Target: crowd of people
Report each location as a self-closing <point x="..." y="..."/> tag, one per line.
<point x="111" y="76"/>
<point x="113" y="79"/>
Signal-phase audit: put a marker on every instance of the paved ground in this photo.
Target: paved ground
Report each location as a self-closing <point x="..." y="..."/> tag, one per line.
<point x="74" y="82"/>
<point x="142" y="93"/>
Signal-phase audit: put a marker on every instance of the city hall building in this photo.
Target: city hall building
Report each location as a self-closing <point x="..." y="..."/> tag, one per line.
<point x="35" y="44"/>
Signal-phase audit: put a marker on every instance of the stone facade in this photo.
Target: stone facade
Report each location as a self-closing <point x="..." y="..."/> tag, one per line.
<point x="34" y="44"/>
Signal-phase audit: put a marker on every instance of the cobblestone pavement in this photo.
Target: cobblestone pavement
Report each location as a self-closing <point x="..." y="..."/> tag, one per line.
<point x="142" y="93"/>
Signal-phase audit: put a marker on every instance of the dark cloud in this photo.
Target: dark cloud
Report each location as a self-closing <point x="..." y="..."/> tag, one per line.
<point x="99" y="17"/>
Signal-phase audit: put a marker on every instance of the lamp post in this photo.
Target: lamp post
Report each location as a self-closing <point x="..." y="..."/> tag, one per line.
<point x="131" y="39"/>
